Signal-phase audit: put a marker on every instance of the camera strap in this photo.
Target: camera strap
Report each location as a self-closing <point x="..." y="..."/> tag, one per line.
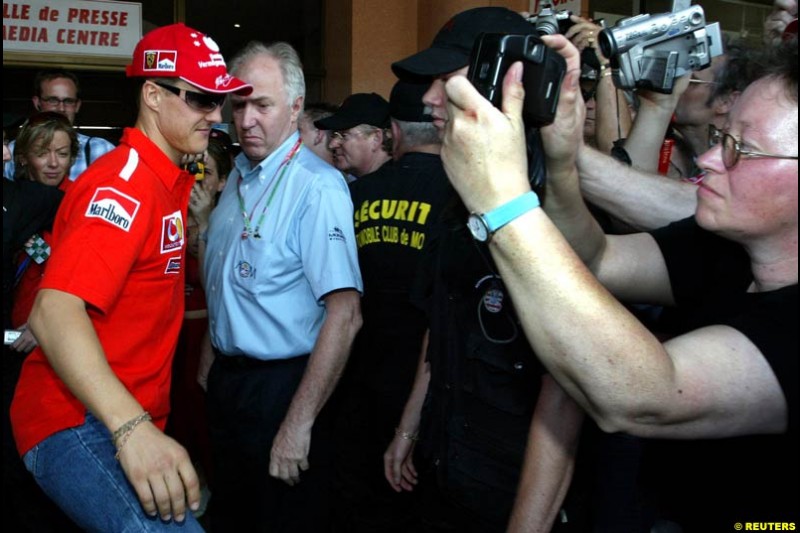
<point x="665" y="156"/>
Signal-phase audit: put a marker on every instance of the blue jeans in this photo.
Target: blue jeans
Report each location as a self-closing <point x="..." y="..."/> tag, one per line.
<point x="77" y="470"/>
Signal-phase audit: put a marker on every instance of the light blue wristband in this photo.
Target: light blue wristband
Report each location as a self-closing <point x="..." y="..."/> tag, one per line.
<point x="483" y="226"/>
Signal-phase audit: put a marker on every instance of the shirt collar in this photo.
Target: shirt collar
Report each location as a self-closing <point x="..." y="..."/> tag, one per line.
<point x="272" y="160"/>
<point x="151" y="155"/>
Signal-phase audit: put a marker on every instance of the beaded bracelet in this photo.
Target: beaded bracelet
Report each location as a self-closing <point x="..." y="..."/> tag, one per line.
<point x="413" y="436"/>
<point x="124" y="432"/>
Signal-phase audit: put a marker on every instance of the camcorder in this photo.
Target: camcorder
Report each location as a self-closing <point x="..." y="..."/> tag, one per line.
<point x="651" y="51"/>
<point x="492" y="55"/>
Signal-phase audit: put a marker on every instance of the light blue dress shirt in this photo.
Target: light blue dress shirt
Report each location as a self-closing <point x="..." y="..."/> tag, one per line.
<point x="265" y="295"/>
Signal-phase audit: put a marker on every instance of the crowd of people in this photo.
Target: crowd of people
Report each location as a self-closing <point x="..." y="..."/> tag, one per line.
<point x="408" y="315"/>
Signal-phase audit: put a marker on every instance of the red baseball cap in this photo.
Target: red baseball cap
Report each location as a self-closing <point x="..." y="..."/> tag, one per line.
<point x="177" y="51"/>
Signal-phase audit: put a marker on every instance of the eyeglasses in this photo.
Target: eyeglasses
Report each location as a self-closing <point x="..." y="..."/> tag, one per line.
<point x="55" y="101"/>
<point x="732" y="149"/>
<point x="702" y="82"/>
<point x="203" y="102"/>
<point x="343" y="136"/>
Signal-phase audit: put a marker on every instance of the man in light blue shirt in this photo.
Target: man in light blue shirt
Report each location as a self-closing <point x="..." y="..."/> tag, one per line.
<point x="58" y="90"/>
<point x="283" y="288"/>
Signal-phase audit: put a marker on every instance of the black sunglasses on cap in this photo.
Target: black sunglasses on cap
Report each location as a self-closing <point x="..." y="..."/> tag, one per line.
<point x="203" y="102"/>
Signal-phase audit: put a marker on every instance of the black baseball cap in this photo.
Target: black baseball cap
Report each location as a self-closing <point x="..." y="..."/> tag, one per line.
<point x="405" y="102"/>
<point x="359" y="108"/>
<point x="452" y="45"/>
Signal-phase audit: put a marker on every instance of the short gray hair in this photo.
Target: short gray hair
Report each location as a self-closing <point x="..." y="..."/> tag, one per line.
<point x="418" y="133"/>
<point x="289" y="61"/>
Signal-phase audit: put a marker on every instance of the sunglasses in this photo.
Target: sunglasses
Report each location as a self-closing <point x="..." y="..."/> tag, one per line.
<point x="203" y="102"/>
<point x="588" y="89"/>
<point x="732" y="149"/>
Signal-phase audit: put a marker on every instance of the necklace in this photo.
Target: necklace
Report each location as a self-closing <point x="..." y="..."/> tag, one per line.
<point x="248" y="219"/>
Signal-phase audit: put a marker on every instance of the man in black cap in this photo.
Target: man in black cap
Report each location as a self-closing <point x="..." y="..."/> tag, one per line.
<point x="448" y="55"/>
<point x="360" y="140"/>
<point x="394" y="208"/>
<point x="479" y="380"/>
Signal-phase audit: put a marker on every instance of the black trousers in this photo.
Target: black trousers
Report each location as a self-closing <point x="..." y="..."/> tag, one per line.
<point x="247" y="402"/>
<point x="365" y="501"/>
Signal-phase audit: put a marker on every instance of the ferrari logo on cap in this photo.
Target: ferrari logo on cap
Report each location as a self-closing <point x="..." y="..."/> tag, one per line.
<point x="160" y="60"/>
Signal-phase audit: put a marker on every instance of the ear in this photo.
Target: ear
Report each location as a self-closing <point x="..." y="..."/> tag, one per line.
<point x="36" y="104"/>
<point x="151" y="96"/>
<point x="78" y="106"/>
<point x="221" y="184"/>
<point x="723" y="104"/>
<point x="395" y="136"/>
<point x="377" y="139"/>
<point x="297" y="108"/>
<point x="320" y="137"/>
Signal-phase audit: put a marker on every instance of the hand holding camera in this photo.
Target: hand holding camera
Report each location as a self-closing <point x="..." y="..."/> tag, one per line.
<point x="483" y="149"/>
<point x="494" y="53"/>
<point x="195" y="164"/>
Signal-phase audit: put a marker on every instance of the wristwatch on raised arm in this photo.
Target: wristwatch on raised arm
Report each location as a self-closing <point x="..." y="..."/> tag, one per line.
<point x="483" y="226"/>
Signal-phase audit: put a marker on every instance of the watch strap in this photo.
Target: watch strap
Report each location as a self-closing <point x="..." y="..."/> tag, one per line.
<point x="502" y="215"/>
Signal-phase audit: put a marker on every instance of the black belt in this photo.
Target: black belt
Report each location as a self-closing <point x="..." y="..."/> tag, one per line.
<point x="243" y="361"/>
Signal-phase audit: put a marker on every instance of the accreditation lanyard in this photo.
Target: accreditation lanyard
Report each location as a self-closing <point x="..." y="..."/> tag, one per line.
<point x="279" y="173"/>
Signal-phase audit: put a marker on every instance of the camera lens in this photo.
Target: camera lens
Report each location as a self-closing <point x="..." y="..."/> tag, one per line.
<point x="547" y="25"/>
<point x="608" y="45"/>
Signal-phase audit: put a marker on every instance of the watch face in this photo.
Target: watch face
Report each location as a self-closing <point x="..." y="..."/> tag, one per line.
<point x="478" y="228"/>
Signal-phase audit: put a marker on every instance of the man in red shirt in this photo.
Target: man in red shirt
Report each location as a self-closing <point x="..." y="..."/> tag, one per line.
<point x="111" y="304"/>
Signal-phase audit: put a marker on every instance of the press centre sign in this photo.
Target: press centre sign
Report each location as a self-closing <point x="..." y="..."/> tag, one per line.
<point x="75" y="27"/>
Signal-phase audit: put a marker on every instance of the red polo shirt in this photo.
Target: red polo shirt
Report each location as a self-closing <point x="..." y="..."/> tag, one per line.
<point x="119" y="242"/>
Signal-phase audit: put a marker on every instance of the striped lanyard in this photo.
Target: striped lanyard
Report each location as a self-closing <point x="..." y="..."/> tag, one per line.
<point x="279" y="173"/>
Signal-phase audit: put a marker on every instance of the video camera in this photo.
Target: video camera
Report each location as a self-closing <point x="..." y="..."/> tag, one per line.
<point x="651" y="51"/>
<point x="492" y="55"/>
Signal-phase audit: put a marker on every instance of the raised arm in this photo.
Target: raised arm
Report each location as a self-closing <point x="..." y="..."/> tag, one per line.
<point x="711" y="382"/>
<point x="157" y="466"/>
<point x="643" y="200"/>
<point x="650" y="125"/>
<point x="291" y="446"/>
<point x="612" y="114"/>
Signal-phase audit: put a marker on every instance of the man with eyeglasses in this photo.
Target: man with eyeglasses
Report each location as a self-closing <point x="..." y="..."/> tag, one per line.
<point x="360" y="140"/>
<point x="283" y="289"/>
<point x="59" y="90"/>
<point x="727" y="386"/>
<point x="92" y="401"/>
